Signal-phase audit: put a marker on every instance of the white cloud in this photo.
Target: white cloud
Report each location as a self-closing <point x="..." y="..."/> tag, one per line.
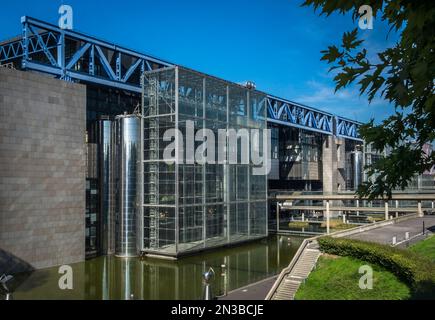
<point x="345" y="102"/>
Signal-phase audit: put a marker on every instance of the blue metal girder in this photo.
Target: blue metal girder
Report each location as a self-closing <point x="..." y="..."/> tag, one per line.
<point x="347" y="129"/>
<point x="76" y="57"/>
<point x="292" y="114"/>
<point x="35" y="44"/>
<point x="39" y="36"/>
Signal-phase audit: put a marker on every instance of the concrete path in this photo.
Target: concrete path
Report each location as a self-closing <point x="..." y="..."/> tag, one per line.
<point x="384" y="235"/>
<point x="254" y="291"/>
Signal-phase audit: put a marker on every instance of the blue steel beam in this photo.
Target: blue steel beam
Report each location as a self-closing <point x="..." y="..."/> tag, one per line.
<point x="293" y="114"/>
<point x="105" y="63"/>
<point x="78" y="55"/>
<point x="39" y="36"/>
<point x="347" y="128"/>
<point x="132" y="69"/>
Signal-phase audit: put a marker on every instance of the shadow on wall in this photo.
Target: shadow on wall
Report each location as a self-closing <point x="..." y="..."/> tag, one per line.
<point x="20" y="271"/>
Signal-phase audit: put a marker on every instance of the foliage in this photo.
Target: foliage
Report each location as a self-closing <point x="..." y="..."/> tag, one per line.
<point x="375" y="219"/>
<point x="403" y="75"/>
<point x="337" y="224"/>
<point x="298" y="224"/>
<point x="425" y="248"/>
<point x="415" y="270"/>
<point x="338" y="279"/>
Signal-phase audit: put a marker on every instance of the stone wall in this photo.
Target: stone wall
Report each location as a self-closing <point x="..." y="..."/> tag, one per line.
<point x="42" y="169"/>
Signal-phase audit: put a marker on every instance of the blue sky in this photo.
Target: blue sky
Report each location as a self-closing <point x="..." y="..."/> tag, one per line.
<point x="274" y="43"/>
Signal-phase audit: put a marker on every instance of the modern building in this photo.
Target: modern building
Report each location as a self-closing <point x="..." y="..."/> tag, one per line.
<point x="81" y="165"/>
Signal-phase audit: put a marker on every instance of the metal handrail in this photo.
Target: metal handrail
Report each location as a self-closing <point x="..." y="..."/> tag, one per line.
<point x="415" y="197"/>
<point x="286" y="271"/>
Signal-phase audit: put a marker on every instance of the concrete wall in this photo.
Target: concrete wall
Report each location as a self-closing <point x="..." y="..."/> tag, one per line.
<point x="329" y="162"/>
<point x="42" y="169"/>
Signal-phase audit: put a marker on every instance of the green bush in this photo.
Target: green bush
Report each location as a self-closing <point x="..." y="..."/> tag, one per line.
<point x="298" y="224"/>
<point x="416" y="270"/>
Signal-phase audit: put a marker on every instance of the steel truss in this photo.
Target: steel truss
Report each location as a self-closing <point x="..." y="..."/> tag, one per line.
<point x="290" y="113"/>
<point x="347" y="128"/>
<point x="43" y="47"/>
<point x="73" y="56"/>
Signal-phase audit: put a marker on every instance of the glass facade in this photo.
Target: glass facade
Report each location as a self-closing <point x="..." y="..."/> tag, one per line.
<point x="298" y="157"/>
<point x="191" y="205"/>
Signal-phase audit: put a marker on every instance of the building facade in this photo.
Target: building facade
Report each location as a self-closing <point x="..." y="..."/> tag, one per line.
<point x="132" y="201"/>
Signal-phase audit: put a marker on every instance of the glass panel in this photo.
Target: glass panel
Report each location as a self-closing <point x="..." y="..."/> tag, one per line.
<point x="213" y="200"/>
<point x="258" y="219"/>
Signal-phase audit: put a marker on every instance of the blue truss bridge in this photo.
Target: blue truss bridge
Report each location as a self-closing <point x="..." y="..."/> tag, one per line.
<point x="73" y="56"/>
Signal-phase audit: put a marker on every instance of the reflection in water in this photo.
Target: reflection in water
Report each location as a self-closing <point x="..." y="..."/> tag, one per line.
<point x="131" y="278"/>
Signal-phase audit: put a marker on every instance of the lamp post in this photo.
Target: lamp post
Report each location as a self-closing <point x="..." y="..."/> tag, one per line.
<point x="207" y="278"/>
<point x="4" y="279"/>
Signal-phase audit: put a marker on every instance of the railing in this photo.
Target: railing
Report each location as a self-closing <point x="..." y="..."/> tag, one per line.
<point x="286" y="271"/>
<point x="287" y="202"/>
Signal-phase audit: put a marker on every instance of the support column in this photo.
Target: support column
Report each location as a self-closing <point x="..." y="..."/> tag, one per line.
<point x="177" y="161"/>
<point x="327" y="217"/>
<point x="397" y="206"/>
<point x="419" y="210"/>
<point x="277" y="216"/>
<point x="61" y="54"/>
<point x="386" y="210"/>
<point x="329" y="165"/>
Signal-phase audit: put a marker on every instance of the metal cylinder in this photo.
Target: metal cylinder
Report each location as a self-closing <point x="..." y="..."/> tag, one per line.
<point x="207" y="278"/>
<point x="107" y="189"/>
<point x="127" y="145"/>
<point x="357" y="159"/>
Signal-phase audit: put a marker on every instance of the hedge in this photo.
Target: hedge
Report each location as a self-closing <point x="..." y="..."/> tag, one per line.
<point x="415" y="270"/>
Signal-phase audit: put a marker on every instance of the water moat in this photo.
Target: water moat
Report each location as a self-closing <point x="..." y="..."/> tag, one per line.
<point x="111" y="278"/>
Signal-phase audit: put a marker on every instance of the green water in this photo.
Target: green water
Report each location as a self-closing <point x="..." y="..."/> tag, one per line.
<point x="121" y="279"/>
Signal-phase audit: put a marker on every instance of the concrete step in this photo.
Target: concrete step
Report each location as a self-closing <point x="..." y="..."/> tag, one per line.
<point x="290" y="285"/>
<point x="288" y="290"/>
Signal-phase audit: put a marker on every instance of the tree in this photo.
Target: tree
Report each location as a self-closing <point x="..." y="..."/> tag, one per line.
<point x="403" y="75"/>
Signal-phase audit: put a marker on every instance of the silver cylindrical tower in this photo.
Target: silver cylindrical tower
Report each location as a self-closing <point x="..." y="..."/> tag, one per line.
<point x="127" y="144"/>
<point x="107" y="188"/>
<point x="357" y="163"/>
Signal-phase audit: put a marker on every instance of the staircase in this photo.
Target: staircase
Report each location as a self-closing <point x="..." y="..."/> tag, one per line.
<point x="302" y="267"/>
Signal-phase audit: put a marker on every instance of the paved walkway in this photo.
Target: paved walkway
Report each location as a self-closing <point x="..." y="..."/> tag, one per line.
<point x="254" y="291"/>
<point x="384" y="235"/>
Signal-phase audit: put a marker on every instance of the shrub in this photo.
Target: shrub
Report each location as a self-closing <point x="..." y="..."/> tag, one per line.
<point x="337" y="224"/>
<point x="298" y="224"/>
<point x="417" y="271"/>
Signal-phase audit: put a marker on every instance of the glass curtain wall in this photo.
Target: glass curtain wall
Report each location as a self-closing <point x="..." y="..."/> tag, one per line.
<point x="189" y="205"/>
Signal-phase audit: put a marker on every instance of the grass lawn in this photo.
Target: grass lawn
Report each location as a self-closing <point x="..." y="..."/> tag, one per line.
<point x="425" y="248"/>
<point x="337" y="278"/>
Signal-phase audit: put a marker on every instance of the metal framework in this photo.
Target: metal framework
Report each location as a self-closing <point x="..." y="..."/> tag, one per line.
<point x="286" y="112"/>
<point x="347" y="128"/>
<point x="73" y="56"/>
<point x="43" y="47"/>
